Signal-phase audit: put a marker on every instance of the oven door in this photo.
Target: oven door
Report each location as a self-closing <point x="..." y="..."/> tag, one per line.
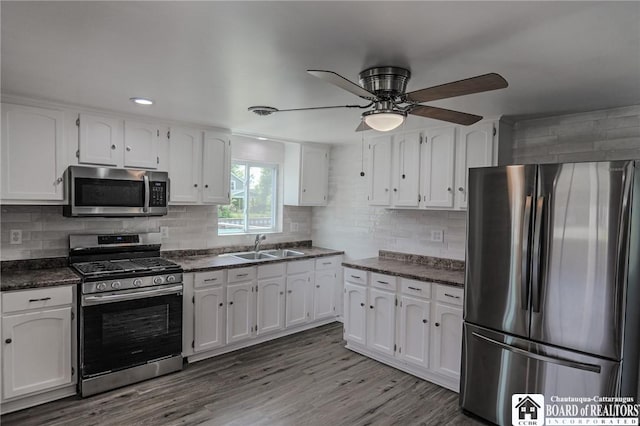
<point x="128" y="328"/>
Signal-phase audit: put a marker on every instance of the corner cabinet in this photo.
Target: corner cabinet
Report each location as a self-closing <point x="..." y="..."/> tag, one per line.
<point x="199" y="166"/>
<point x="33" y="159"/>
<point x="306" y="174"/>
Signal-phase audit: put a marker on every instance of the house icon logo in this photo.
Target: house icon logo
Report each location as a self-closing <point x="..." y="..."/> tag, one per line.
<point x="527" y="409"/>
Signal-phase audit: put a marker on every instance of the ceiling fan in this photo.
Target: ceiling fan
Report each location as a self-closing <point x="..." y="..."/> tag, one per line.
<point x="385" y="89"/>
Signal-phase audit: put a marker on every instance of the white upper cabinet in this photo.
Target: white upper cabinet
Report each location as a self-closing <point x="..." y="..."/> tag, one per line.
<point x="185" y="160"/>
<point x="437" y="165"/>
<point x="199" y="166"/>
<point x="141" y="142"/>
<point x="380" y="171"/>
<point x="216" y="168"/>
<point x="306" y="175"/>
<point x="475" y="148"/>
<point x="406" y="170"/>
<point x="100" y="140"/>
<point x="32" y="153"/>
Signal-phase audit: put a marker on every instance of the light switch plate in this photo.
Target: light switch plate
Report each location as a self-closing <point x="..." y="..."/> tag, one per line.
<point x="437" y="236"/>
<point x="15" y="236"/>
<point x="164" y="231"/>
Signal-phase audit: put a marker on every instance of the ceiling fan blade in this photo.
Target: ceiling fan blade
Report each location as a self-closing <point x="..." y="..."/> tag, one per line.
<point x="451" y="116"/>
<point x="363" y="127"/>
<point x="341" y="82"/>
<point x="481" y="83"/>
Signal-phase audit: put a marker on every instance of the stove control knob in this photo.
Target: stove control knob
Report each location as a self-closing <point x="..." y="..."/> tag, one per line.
<point x="116" y="285"/>
<point x="171" y="279"/>
<point x="102" y="286"/>
<point x="158" y="280"/>
<point x="137" y="282"/>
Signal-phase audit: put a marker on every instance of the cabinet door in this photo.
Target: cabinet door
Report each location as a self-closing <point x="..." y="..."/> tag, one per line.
<point x="381" y="321"/>
<point x="474" y="148"/>
<point x="209" y="318"/>
<point x="240" y="311"/>
<point x="185" y="159"/>
<point x="406" y="170"/>
<point x="414" y="331"/>
<point x="323" y="294"/>
<point x="37" y="351"/>
<point x="355" y="314"/>
<point x="380" y="171"/>
<point x="297" y="304"/>
<point x="314" y="176"/>
<point x="446" y="346"/>
<point x="216" y="173"/>
<point x="270" y="301"/>
<point x="437" y="162"/>
<point x="100" y="140"/>
<point x="32" y="153"/>
<point x="141" y="142"/>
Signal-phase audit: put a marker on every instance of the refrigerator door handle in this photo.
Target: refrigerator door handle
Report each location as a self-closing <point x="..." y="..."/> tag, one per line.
<point x="536" y="275"/>
<point x="524" y="263"/>
<point x="564" y="362"/>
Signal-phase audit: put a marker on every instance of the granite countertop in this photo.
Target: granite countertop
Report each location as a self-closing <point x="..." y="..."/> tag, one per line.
<point x="211" y="262"/>
<point x="37" y="278"/>
<point x="411" y="270"/>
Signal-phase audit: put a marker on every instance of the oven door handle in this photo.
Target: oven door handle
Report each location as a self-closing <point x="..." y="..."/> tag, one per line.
<point x="110" y="298"/>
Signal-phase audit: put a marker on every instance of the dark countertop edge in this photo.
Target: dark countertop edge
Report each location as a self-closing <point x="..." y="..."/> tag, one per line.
<point x="405" y="275"/>
<point x="31" y="285"/>
<point x="32" y="279"/>
<point x="247" y="263"/>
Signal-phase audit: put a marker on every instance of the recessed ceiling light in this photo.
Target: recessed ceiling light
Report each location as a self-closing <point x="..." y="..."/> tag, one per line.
<point x="141" y="101"/>
<point x="260" y="138"/>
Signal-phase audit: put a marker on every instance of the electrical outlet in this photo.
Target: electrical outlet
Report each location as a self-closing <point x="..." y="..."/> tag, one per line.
<point x="437" y="236"/>
<point x="164" y="231"/>
<point x="16" y="236"/>
<point x="293" y="227"/>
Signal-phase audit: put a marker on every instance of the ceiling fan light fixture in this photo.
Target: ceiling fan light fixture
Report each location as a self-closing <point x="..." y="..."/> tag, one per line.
<point x="383" y="120"/>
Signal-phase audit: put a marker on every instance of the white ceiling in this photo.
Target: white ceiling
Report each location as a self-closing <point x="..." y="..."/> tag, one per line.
<point x="206" y="62"/>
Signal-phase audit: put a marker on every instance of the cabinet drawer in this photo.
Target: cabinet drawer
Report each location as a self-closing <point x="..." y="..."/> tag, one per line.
<point x="449" y="294"/>
<point x="203" y="279"/>
<point x="415" y="288"/>
<point x="271" y="270"/>
<point x="327" y="263"/>
<point x="300" y="266"/>
<point x="40" y="298"/>
<point x="241" y="274"/>
<point x="386" y="282"/>
<point x="355" y="276"/>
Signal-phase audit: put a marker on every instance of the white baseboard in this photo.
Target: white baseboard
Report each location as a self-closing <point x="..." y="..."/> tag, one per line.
<point x="41" y="398"/>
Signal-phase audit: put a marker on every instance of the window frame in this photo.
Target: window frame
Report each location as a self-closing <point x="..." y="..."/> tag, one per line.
<point x="274" y="196"/>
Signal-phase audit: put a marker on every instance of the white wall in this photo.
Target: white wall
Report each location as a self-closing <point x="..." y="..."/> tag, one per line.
<point x="45" y="232"/>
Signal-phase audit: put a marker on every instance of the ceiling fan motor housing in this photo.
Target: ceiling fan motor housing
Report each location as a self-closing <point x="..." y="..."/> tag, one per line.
<point x="386" y="82"/>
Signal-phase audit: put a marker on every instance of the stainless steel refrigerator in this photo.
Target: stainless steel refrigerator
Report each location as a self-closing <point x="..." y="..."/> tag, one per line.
<point x="552" y="288"/>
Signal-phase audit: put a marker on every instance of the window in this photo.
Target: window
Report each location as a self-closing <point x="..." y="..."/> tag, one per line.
<point x="253" y="200"/>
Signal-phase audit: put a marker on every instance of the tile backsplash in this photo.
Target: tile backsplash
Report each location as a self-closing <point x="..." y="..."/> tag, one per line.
<point x="45" y="232"/>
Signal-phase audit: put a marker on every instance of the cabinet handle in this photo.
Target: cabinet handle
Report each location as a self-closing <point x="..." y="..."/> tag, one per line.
<point x="8" y="341"/>
<point x="221" y="304"/>
<point x="451" y="295"/>
<point x="370" y="306"/>
<point x="460" y="189"/>
<point x="386" y="190"/>
<point x="362" y="304"/>
<point x="449" y="189"/>
<point x="317" y="286"/>
<point x="304" y="190"/>
<point x="113" y="146"/>
<point x="195" y="185"/>
<point x="395" y="189"/>
<point x="210" y="279"/>
<point x="231" y="303"/>
<point x="39" y="300"/>
<point x="383" y="282"/>
<point x="437" y="324"/>
<point x="415" y="288"/>
<point x="242" y="275"/>
<point x="128" y="148"/>
<point x="326" y="263"/>
<point x="282" y="292"/>
<point x="206" y="186"/>
<point x="355" y="276"/>
<point x="59" y="180"/>
<point x="424" y="321"/>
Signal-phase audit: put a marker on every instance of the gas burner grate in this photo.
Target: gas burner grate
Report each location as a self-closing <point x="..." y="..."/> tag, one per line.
<point x="97" y="267"/>
<point x="154" y="262"/>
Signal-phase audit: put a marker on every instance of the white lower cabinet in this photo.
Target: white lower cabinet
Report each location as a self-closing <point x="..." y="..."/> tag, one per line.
<point x="298" y="294"/>
<point x="241" y="304"/>
<point x="38" y="338"/>
<point x="410" y="328"/>
<point x="270" y="305"/>
<point x="324" y="294"/>
<point x="209" y="318"/>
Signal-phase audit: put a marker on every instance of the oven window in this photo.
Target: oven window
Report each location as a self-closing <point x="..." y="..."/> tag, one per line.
<point x="124" y="334"/>
<point x="108" y="193"/>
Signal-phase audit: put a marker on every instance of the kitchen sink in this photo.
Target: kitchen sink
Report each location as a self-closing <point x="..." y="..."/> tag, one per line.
<point x="284" y="253"/>
<point x="253" y="255"/>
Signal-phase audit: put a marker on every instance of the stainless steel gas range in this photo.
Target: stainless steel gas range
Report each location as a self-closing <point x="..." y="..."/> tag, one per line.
<point x="130" y="306"/>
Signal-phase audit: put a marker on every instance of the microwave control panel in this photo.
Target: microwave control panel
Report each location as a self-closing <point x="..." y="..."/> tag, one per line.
<point x="158" y="194"/>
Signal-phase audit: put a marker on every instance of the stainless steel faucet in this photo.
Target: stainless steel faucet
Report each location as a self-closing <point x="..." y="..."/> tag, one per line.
<point x="259" y="239"/>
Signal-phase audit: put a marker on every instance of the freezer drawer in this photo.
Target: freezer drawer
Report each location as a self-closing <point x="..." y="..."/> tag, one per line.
<point x="495" y="366"/>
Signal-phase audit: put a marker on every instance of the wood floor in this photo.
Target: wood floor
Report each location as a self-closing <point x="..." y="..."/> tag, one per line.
<point x="305" y="379"/>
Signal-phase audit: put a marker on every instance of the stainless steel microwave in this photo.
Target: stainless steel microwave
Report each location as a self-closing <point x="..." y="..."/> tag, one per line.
<point x="100" y="191"/>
